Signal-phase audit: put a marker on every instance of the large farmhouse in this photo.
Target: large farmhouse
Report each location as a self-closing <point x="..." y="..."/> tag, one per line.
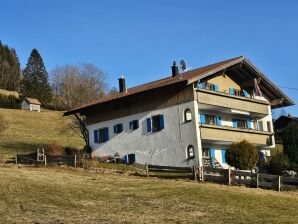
<point x="187" y="118"/>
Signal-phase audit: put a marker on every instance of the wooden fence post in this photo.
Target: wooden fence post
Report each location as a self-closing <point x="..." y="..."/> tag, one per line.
<point x="147" y="169"/>
<point x="75" y="160"/>
<point x="229" y="176"/>
<point x="16" y="159"/>
<point x="279" y="183"/>
<point x="257" y="180"/>
<point x="45" y="160"/>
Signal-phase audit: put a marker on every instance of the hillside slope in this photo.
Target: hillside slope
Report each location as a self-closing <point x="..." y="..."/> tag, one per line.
<point x="27" y="131"/>
<point x="56" y="195"/>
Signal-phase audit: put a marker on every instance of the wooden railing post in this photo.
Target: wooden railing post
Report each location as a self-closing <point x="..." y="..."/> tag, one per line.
<point x="45" y="160"/>
<point x="147" y="169"/>
<point x="75" y="160"/>
<point x="279" y="183"/>
<point x="257" y="180"/>
<point x="229" y="176"/>
<point x="16" y="159"/>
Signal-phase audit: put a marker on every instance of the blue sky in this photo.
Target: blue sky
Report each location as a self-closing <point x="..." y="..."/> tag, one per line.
<point x="140" y="39"/>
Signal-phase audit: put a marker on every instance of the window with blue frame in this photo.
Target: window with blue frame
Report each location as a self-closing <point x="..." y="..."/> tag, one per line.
<point x="133" y="125"/>
<point x="118" y="128"/>
<point x="240" y="123"/>
<point x="103" y="135"/>
<point x="155" y="123"/>
<point x="208" y="86"/>
<point x="210" y="119"/>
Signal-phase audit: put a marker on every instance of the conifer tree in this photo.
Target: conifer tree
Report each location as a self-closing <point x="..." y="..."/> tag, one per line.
<point x="35" y="81"/>
<point x="9" y="68"/>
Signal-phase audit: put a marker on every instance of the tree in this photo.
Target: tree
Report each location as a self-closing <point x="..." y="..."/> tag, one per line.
<point x="35" y="82"/>
<point x="9" y="69"/>
<point x="113" y="91"/>
<point x="290" y="143"/>
<point x="242" y="155"/>
<point x="277" y="164"/>
<point x="75" y="85"/>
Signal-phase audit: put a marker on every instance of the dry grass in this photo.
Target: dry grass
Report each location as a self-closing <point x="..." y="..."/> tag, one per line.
<point x="43" y="195"/>
<point x="29" y="130"/>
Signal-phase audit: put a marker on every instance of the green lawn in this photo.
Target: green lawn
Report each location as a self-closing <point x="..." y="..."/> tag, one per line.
<point x="64" y="195"/>
<point x="28" y="131"/>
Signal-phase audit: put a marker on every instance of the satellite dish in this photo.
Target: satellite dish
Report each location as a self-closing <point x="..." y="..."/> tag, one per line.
<point x="183" y="65"/>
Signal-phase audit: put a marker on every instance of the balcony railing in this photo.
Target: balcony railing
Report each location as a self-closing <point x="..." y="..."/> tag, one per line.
<point x="231" y="134"/>
<point x="225" y="100"/>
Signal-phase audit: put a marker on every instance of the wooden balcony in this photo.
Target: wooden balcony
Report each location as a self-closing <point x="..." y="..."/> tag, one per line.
<point x="225" y="100"/>
<point x="223" y="134"/>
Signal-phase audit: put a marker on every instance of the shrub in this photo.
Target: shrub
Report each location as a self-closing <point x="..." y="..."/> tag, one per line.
<point x="242" y="155"/>
<point x="54" y="149"/>
<point x="278" y="163"/>
<point x="9" y="102"/>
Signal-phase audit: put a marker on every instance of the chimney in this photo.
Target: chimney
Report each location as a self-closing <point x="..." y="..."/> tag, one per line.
<point x="175" y="69"/>
<point x="122" y="87"/>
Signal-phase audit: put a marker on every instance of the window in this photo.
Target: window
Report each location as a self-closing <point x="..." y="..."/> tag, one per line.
<point x="157" y="123"/>
<point x="190" y="152"/>
<point x="103" y="135"/>
<point x="187" y="115"/>
<point x="208" y="86"/>
<point x="237" y="92"/>
<point x="241" y="124"/>
<point x="210" y="119"/>
<point x="118" y="128"/>
<point x="134" y="124"/>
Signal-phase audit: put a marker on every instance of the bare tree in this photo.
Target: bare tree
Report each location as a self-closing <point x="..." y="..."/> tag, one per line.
<point x="75" y="85"/>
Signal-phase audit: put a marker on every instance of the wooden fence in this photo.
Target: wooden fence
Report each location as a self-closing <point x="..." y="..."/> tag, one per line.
<point x="238" y="177"/>
<point x="32" y="159"/>
<point x="153" y="169"/>
<point x="229" y="176"/>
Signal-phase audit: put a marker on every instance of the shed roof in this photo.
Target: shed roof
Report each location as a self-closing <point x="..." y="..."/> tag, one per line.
<point x="33" y="101"/>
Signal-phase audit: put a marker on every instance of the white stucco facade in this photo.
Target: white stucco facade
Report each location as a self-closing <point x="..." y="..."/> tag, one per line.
<point x="165" y="147"/>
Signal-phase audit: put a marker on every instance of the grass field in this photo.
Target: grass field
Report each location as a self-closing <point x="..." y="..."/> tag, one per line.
<point x="61" y="195"/>
<point x="29" y="130"/>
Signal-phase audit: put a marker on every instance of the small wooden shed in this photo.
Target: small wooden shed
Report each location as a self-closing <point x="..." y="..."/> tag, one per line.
<point x="31" y="104"/>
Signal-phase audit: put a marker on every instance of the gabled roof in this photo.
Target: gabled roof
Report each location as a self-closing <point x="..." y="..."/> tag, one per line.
<point x="187" y="78"/>
<point x="32" y="101"/>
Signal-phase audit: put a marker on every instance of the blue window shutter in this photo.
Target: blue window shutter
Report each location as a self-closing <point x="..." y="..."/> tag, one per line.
<point x="115" y="128"/>
<point x="130" y="125"/>
<point x="223" y="155"/>
<point x="212" y="153"/>
<point x="246" y="93"/>
<point x="106" y="134"/>
<point x="121" y="128"/>
<point x="232" y="91"/>
<point x="218" y="120"/>
<point x="235" y="123"/>
<point x="215" y="87"/>
<point x="200" y="85"/>
<point x="248" y="123"/>
<point x="137" y="123"/>
<point x="203" y="118"/>
<point x="95" y="136"/>
<point x="161" y="122"/>
<point x="149" y="128"/>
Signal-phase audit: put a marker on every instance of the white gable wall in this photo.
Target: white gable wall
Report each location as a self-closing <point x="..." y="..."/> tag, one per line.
<point x="165" y="147"/>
